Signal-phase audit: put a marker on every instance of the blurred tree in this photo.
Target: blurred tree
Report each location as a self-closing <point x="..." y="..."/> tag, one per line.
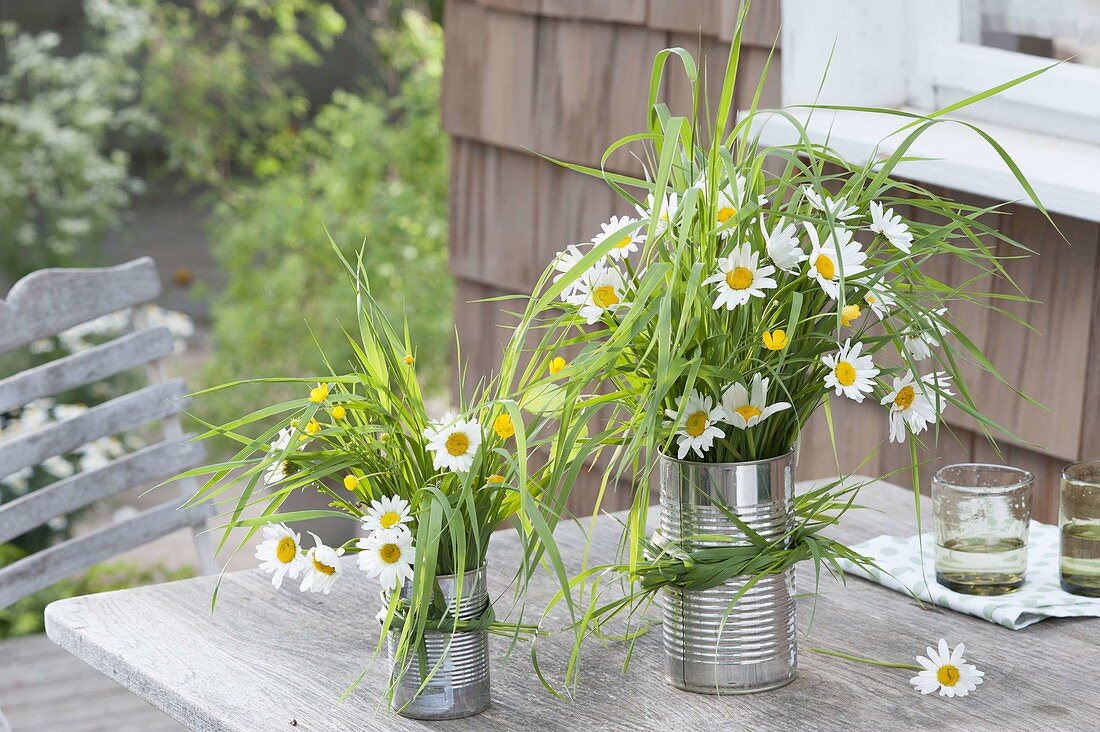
<point x="373" y="170"/>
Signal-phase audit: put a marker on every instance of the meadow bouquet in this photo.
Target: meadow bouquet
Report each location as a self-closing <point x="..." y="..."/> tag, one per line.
<point x="752" y="285"/>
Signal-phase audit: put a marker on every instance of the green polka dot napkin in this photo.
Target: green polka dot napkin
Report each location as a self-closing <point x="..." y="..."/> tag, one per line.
<point x="909" y="567"/>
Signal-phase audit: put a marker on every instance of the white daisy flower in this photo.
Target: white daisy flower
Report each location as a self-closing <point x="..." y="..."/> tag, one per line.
<point x="387" y="512"/>
<point x="453" y="442"/>
<point x="730" y="200"/>
<point x="697" y="423"/>
<point x="839" y="208"/>
<point x="280" y="553"/>
<point x="748" y="407"/>
<point x="564" y="261"/>
<point x="323" y="568"/>
<point x="880" y="299"/>
<point x="891" y="226"/>
<point x="837" y="253"/>
<point x="946" y="671"/>
<point x="279" y="470"/>
<point x="850" y="373"/>
<point x="388" y="554"/>
<point x="913" y="403"/>
<point x="626" y="242"/>
<point x="600" y="290"/>
<point x="783" y="245"/>
<point x="739" y="278"/>
<point x="919" y="342"/>
<point x="666" y="215"/>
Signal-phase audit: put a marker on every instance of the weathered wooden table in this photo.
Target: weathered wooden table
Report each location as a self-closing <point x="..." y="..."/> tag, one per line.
<point x="270" y="660"/>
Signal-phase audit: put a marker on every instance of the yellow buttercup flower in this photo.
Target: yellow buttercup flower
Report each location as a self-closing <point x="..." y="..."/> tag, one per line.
<point x="409" y="360"/>
<point x="313" y="427"/>
<point x="557" y="364"/>
<point x="318" y="393"/>
<point x="338" y="412"/>
<point x="351" y="482"/>
<point x="849" y="315"/>
<point x="504" y="427"/>
<point x="495" y="478"/>
<point x="775" y="340"/>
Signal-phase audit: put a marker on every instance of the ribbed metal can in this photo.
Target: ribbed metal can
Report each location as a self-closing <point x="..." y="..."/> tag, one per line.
<point x="459" y="686"/>
<point x="713" y="646"/>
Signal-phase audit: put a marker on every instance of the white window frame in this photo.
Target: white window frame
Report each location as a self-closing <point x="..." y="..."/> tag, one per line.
<point x="909" y="54"/>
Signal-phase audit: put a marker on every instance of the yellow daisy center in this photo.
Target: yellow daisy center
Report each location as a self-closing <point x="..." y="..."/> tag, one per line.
<point x="696" y="423"/>
<point x="624" y="242"/>
<point x="504" y="427"/>
<point x="739" y="278"/>
<point x="458" y="444"/>
<point x="604" y="296"/>
<point x="351" y="482"/>
<point x="870" y="299"/>
<point x="775" y="340"/>
<point x="726" y="213"/>
<point x="389" y="519"/>
<point x="390" y="553"/>
<point x="845" y="373"/>
<point x="825" y="266"/>
<point x="905" y="397"/>
<point x="849" y="315"/>
<point x="748" y="411"/>
<point x="286" y="550"/>
<point x="322" y="567"/>
<point x="947" y="675"/>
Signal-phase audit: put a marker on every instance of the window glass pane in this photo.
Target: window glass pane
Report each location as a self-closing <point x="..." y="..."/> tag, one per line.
<point x="1054" y="29"/>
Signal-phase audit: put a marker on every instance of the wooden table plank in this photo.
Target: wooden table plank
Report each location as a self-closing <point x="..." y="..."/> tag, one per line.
<point x="268" y="659"/>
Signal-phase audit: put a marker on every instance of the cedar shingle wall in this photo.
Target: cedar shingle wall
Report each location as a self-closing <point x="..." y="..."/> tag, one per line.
<point x="568" y="77"/>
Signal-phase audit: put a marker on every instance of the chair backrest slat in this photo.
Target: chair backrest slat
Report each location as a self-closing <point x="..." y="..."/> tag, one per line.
<point x="44" y="568"/>
<point x="43" y="305"/>
<point x="103" y="420"/>
<point x="79" y="369"/>
<point x="149" y="464"/>
<point x="46" y="302"/>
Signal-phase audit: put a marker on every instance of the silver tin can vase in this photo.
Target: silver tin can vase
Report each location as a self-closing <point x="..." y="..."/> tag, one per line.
<point x="456" y="665"/>
<point x="713" y="644"/>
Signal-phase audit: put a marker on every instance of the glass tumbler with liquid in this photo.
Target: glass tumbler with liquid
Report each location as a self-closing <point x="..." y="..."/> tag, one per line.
<point x="1079" y="518"/>
<point x="982" y="513"/>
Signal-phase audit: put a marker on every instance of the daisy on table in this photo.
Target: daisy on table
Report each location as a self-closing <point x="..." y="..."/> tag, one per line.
<point x="323" y="568"/>
<point x="388" y="554"/>
<point x="453" y="442"/>
<point x="697" y="426"/>
<point x="747" y="408"/>
<point x="626" y="242"/>
<point x="280" y="553"/>
<point x="891" y="227"/>
<point x="600" y="290"/>
<point x="837" y="254"/>
<point x="850" y="373"/>
<point x="839" y="208"/>
<point x="946" y="671"/>
<point x="916" y="403"/>
<point x="740" y="278"/>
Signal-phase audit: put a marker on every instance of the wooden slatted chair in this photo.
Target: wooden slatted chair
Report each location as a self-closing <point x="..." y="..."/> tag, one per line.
<point x="43" y="305"/>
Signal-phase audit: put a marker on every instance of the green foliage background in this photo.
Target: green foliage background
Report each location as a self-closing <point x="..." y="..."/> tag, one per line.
<point x="372" y="169"/>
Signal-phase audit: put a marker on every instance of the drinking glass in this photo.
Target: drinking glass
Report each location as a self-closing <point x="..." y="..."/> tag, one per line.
<point x="1079" y="517"/>
<point x="981" y="514"/>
